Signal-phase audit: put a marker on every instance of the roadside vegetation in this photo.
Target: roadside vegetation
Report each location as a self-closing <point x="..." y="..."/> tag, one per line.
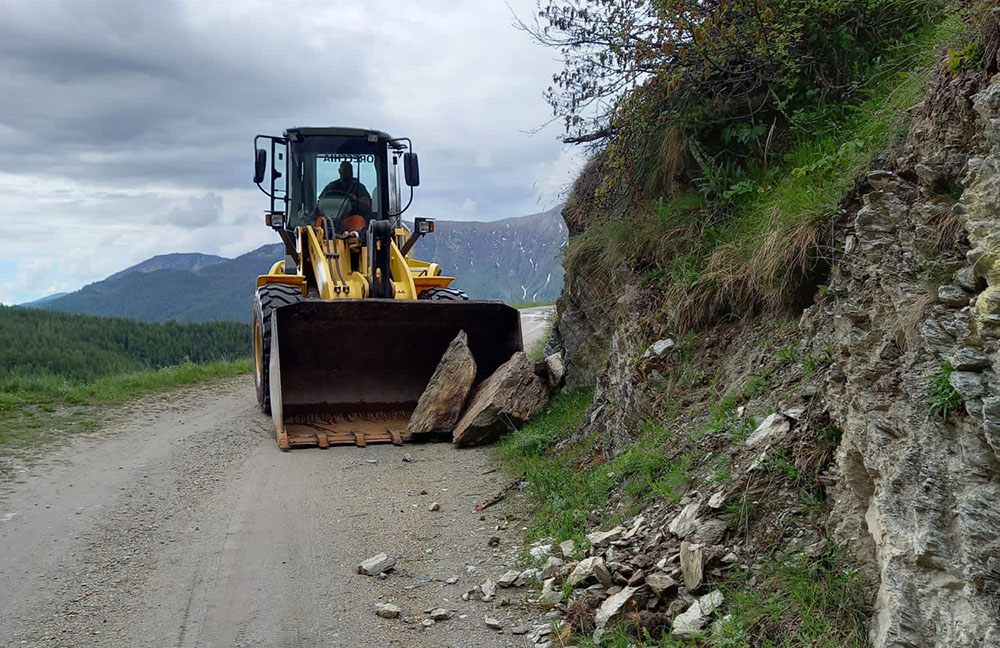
<point x="724" y="137"/>
<point x="726" y="140"/>
<point x="55" y="366"/>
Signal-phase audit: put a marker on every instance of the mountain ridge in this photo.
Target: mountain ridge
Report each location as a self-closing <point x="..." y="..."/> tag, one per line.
<point x="515" y="260"/>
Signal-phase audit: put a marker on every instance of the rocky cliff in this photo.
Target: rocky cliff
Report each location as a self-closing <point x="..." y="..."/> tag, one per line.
<point x="887" y="385"/>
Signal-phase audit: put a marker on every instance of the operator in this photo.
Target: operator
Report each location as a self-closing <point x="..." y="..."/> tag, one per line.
<point x="361" y="200"/>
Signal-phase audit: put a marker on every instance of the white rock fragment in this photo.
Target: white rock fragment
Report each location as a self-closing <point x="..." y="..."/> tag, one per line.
<point x="599" y="539"/>
<point x="553" y="567"/>
<point x="566" y="549"/>
<point x="440" y="614"/>
<point x="659" y="348"/>
<point x="551" y="594"/>
<point x="451" y="580"/>
<point x="508" y="579"/>
<point x="716" y="501"/>
<point x="590" y="568"/>
<point x="689" y="623"/>
<point x="492" y="623"/>
<point x="427" y="622"/>
<point x="386" y="610"/>
<point x="376" y="565"/>
<point x="489" y="589"/>
<point x="610" y="608"/>
<point x="526" y="577"/>
<point x="685" y="523"/>
<point x="660" y="583"/>
<point x="434" y="506"/>
<point x="773" y="426"/>
<point x="632" y="530"/>
<point x="692" y="562"/>
<point x="541" y="552"/>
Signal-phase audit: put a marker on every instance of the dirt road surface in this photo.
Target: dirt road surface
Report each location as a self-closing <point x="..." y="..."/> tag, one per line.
<point x="535" y="324"/>
<point x="182" y="524"/>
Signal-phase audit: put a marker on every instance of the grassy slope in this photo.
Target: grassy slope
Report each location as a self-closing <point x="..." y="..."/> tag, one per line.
<point x="692" y="442"/>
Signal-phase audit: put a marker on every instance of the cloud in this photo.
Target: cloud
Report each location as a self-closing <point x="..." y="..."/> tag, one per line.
<point x="197" y="212"/>
<point x="126" y="127"/>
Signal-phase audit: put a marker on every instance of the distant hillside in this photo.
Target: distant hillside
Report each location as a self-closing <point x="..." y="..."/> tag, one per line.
<point x="79" y="347"/>
<point x="181" y="261"/>
<point x="516" y="259"/>
<point x="42" y="300"/>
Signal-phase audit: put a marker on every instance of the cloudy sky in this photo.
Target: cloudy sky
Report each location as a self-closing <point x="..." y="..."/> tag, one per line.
<point x="126" y="127"/>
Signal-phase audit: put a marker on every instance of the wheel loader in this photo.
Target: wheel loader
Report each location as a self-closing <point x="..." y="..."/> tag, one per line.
<point x="349" y="327"/>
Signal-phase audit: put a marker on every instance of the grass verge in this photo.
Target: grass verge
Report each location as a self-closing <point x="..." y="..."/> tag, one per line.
<point x="39" y="409"/>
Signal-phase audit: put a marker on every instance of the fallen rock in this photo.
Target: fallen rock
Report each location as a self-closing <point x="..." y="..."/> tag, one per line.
<point x="610" y="608"/>
<point x="555" y="369"/>
<point x="489" y="589"/>
<point x="492" y="623"/>
<point x="520" y="630"/>
<point x="566" y="549"/>
<point x="660" y="583"/>
<point x="504" y="402"/>
<point x="442" y="401"/>
<point x="434" y="506"/>
<point x="541" y="552"/>
<point x="376" y="565"/>
<point x="692" y="563"/>
<point x="440" y="614"/>
<point x="550" y="593"/>
<point x="689" y="623"/>
<point x="716" y="501"/>
<point x="632" y="530"/>
<point x="526" y="577"/>
<point x="386" y="610"/>
<point x="686" y="521"/>
<point x="659" y="348"/>
<point x="599" y="539"/>
<point x="508" y="579"/>
<point x="773" y="426"/>
<point x="709" y="531"/>
<point x="553" y="567"/>
<point x="427" y="622"/>
<point x="590" y="568"/>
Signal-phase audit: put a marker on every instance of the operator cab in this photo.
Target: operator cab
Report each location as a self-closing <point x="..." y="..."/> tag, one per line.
<point x="344" y="178"/>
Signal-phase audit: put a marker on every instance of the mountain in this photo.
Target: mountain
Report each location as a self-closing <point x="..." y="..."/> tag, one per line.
<point x="516" y="260"/>
<point x="181" y="261"/>
<point x="47" y="298"/>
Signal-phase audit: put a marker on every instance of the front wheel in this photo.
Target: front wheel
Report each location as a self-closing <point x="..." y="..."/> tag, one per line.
<point x="265" y="300"/>
<point x="444" y="294"/>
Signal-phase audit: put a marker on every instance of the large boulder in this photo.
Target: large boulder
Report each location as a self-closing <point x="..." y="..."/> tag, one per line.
<point x="440" y="406"/>
<point x="504" y="402"/>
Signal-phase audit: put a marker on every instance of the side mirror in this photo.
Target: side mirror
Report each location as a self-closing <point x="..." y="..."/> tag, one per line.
<point x="411" y="170"/>
<point x="260" y="166"/>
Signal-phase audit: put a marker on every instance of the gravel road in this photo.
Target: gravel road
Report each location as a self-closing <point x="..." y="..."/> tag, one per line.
<point x="182" y="524"/>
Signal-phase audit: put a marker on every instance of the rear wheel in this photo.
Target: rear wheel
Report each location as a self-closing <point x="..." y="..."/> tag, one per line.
<point x="265" y="300"/>
<point x="444" y="294"/>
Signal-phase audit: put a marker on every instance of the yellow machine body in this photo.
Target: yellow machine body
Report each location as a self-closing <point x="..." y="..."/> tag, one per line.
<point x="349" y="328"/>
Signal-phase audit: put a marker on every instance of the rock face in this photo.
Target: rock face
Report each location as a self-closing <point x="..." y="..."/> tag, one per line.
<point x="918" y="492"/>
<point x="504" y="402"/>
<point x="440" y="406"/>
<point x="914" y="493"/>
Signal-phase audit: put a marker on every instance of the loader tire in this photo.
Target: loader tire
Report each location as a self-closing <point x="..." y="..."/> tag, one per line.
<point x="444" y="294"/>
<point x="265" y="300"/>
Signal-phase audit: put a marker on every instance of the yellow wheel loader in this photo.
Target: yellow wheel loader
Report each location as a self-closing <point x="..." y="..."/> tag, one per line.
<point x="348" y="327"/>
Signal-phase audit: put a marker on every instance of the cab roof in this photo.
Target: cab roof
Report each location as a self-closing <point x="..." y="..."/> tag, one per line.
<point x="342" y="131"/>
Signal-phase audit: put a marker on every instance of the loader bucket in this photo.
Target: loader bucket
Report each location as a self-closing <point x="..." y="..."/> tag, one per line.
<point x="352" y="370"/>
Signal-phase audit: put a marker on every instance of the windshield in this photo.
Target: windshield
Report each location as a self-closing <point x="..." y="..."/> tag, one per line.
<point x="338" y="177"/>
